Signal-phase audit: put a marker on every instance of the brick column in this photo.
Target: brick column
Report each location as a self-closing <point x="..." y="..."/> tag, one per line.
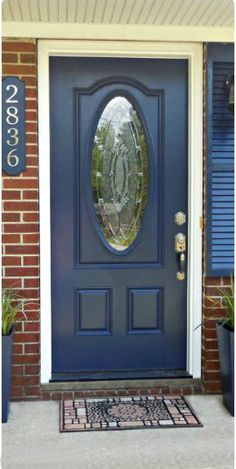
<point x="211" y="366"/>
<point x="21" y="228"/>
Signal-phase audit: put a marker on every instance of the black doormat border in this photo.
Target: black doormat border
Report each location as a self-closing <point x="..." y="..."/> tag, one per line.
<point x="126" y="413"/>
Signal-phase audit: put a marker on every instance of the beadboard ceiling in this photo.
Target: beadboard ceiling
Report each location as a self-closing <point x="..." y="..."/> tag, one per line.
<point x="210" y="13"/>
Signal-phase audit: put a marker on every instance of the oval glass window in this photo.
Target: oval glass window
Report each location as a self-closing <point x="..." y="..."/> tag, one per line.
<point x="120" y="171"/>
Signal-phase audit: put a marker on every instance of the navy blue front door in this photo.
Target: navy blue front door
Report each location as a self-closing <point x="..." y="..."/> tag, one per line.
<point x="117" y="305"/>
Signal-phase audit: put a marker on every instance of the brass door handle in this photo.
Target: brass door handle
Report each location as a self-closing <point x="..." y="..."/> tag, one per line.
<point x="180" y="248"/>
<point x="181" y="273"/>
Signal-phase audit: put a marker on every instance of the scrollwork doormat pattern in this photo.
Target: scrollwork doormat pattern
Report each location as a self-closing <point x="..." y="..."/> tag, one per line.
<point x="123" y="413"/>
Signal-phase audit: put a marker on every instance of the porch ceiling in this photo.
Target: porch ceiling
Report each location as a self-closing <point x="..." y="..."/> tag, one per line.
<point x="157" y="15"/>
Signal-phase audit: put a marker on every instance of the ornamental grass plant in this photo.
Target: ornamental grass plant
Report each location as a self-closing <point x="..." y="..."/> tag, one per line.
<point x="12" y="304"/>
<point x="226" y="301"/>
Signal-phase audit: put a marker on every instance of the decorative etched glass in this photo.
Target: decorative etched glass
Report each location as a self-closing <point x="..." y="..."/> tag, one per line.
<point x="120" y="170"/>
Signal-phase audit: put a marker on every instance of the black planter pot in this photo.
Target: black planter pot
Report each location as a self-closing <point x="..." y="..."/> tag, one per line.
<point x="6" y="374"/>
<point x="225" y="337"/>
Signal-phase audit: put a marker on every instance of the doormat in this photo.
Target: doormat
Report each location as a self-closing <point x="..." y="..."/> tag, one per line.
<point x="125" y="413"/>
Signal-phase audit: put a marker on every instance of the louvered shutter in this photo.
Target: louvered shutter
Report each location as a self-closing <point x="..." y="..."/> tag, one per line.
<point x="220" y="159"/>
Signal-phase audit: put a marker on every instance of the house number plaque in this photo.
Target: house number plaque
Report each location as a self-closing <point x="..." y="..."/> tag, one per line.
<point x="13" y="126"/>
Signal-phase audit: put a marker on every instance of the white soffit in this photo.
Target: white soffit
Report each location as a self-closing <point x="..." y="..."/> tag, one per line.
<point x="196" y="20"/>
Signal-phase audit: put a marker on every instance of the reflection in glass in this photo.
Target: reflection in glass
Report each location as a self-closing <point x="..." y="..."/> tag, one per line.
<point x="120" y="172"/>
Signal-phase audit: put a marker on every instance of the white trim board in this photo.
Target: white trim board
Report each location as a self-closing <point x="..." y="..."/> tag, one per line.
<point x="89" y="31"/>
<point x="193" y="52"/>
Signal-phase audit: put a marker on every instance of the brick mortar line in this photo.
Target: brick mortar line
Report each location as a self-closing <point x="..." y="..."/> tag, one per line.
<point x="21" y="189"/>
<point x="20" y="244"/>
<point x="25" y="278"/>
<point x="26" y="177"/>
<point x="28" y="343"/>
<point x="15" y="212"/>
<point x="27" y="289"/>
<point x="33" y="132"/>
<point x="209" y="340"/>
<point x="28" y="265"/>
<point x="24" y="223"/>
<point x="23" y="212"/>
<point x="18" y="63"/>
<point x="31" y="201"/>
<point x="19" y="40"/>
<point x="21" y="76"/>
<point x="21" y="255"/>
<point x="17" y="52"/>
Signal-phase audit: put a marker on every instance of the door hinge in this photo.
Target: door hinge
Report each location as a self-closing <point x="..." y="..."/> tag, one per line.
<point x="201" y="223"/>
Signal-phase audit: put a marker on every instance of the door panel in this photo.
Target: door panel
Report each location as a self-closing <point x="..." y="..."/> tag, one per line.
<point x="117" y="309"/>
<point x="147" y="250"/>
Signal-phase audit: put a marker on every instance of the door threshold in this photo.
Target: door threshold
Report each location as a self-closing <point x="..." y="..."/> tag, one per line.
<point x="117" y="384"/>
<point x="119" y="375"/>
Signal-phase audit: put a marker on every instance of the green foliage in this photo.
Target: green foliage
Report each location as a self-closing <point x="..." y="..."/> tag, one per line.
<point x="11" y="306"/>
<point x="227" y="301"/>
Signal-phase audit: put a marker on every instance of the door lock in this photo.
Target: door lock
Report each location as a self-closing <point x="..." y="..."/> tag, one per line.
<point x="180" y="242"/>
<point x="180" y="218"/>
<point x="180" y="248"/>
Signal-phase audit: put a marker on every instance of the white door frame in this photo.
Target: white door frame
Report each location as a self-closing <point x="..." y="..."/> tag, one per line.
<point x="190" y="51"/>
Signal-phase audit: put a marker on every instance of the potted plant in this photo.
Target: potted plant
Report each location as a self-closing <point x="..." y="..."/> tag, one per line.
<point x="225" y="338"/>
<point x="11" y="306"/>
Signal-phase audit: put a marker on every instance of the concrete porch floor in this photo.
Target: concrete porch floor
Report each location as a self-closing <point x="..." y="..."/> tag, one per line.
<point x="31" y="440"/>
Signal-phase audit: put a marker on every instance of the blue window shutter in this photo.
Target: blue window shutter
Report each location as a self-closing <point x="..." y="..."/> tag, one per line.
<point x="220" y="163"/>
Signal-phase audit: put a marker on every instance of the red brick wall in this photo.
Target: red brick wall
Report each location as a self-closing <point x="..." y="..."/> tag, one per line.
<point x="21" y="246"/>
<point x="21" y="229"/>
